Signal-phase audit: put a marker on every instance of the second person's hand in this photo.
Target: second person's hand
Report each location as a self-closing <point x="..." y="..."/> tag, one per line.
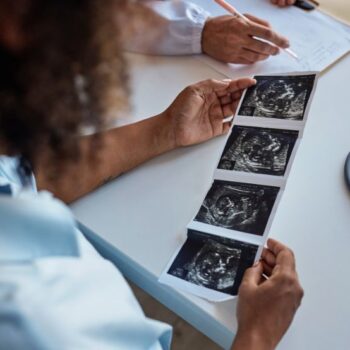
<point x="231" y="39"/>
<point x="283" y="3"/>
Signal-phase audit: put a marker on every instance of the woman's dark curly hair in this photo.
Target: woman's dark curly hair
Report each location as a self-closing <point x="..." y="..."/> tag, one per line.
<point x="71" y="74"/>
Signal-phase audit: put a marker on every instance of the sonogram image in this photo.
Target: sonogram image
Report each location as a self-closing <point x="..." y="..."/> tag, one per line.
<point x="214" y="266"/>
<point x="213" y="262"/>
<point x="238" y="206"/>
<point x="283" y="97"/>
<point x="258" y="150"/>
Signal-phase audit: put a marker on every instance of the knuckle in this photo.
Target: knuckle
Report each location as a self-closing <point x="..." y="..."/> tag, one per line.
<point x="291" y="287"/>
<point x="250" y="56"/>
<point x="300" y="293"/>
<point x="268" y="34"/>
<point x="233" y="23"/>
<point x="296" y="294"/>
<point x="191" y="89"/>
<point x="290" y="251"/>
<point x="265" y="49"/>
<point x="275" y="50"/>
<point x="288" y="279"/>
<point x="246" y="26"/>
<point x="270" y="50"/>
<point x="255" y="57"/>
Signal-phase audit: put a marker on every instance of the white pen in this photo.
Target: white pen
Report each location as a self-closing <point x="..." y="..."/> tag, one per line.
<point x="229" y="8"/>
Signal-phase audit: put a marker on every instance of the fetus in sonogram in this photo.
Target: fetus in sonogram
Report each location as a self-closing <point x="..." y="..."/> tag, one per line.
<point x="258" y="150"/>
<point x="282" y="97"/>
<point x="213" y="262"/>
<point x="238" y="206"/>
<point x="214" y="266"/>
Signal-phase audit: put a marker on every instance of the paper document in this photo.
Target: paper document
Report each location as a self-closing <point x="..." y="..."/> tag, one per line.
<point x="228" y="231"/>
<point x="317" y="39"/>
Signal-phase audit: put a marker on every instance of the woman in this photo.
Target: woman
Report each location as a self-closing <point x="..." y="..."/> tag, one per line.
<point x="61" y="71"/>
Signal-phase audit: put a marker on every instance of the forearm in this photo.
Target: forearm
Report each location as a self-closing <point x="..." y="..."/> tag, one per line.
<point x="118" y="151"/>
<point x="189" y="120"/>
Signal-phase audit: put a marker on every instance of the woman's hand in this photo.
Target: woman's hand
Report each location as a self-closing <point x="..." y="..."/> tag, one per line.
<point x="266" y="307"/>
<point x="198" y="112"/>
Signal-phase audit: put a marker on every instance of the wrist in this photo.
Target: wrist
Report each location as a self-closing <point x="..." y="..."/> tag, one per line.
<point x="251" y="340"/>
<point x="164" y="135"/>
<point x="133" y="144"/>
<point x="205" y="34"/>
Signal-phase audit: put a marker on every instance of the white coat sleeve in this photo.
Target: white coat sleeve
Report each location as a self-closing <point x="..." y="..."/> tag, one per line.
<point x="171" y="27"/>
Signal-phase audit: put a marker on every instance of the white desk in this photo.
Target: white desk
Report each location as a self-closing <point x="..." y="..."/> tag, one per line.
<point x="140" y="218"/>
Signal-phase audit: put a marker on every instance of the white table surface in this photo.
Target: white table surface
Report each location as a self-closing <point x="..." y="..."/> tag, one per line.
<point x="141" y="216"/>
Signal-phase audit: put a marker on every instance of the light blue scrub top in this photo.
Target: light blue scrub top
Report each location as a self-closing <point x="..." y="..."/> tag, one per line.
<point x="56" y="291"/>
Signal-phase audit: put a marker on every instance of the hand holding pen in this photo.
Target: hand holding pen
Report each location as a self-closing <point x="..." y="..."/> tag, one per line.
<point x="234" y="12"/>
<point x="241" y="39"/>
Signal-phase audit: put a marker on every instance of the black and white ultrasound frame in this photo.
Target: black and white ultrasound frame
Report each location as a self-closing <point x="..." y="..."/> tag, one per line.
<point x="235" y="234"/>
<point x="253" y="177"/>
<point x="277" y="122"/>
<point x="201" y="291"/>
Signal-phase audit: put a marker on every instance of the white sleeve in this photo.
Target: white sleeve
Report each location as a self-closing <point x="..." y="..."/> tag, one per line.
<point x="167" y="28"/>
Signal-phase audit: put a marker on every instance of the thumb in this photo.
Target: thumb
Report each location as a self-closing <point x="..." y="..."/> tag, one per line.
<point x="211" y="85"/>
<point x="252" y="276"/>
<point x="241" y="84"/>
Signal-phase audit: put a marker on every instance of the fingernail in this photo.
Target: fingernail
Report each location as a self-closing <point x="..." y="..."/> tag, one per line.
<point x="286" y="44"/>
<point x="227" y="80"/>
<point x="256" y="263"/>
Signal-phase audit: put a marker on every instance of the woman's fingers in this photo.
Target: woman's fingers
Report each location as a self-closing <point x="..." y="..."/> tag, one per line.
<point x="236" y="85"/>
<point x="226" y="99"/>
<point x="226" y="127"/>
<point x="267" y="268"/>
<point x="268" y="257"/>
<point x="213" y="85"/>
<point x="227" y="110"/>
<point x="241" y="84"/>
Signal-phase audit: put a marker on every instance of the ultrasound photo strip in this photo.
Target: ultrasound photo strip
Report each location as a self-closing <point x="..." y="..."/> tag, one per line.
<point x="227" y="234"/>
<point x="285" y="97"/>
<point x="210" y="266"/>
